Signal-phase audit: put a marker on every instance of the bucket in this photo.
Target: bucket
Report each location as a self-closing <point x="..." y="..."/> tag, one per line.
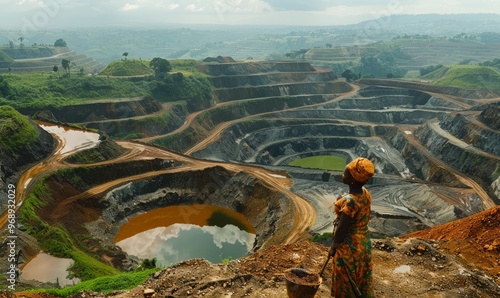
<point x="301" y="283"/>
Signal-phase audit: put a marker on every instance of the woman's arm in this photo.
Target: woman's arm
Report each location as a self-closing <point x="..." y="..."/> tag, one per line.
<point x="340" y="233"/>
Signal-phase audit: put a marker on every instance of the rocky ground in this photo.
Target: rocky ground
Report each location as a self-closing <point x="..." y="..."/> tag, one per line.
<point x="443" y="265"/>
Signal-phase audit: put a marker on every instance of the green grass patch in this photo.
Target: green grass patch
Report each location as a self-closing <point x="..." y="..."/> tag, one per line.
<point x="124" y="281"/>
<point x="5" y="58"/>
<point x="46" y="89"/>
<point x="132" y="67"/>
<point x="55" y="240"/>
<point x="187" y="67"/>
<point x="49" y="89"/>
<point x="322" y="162"/>
<point x="16" y="130"/>
<point x="470" y="77"/>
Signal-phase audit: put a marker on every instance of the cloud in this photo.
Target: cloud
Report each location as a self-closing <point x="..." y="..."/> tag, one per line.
<point x="230" y="234"/>
<point x="172" y="6"/>
<point x="227" y="12"/>
<point x="165" y="243"/>
<point x="194" y="8"/>
<point x="129" y="7"/>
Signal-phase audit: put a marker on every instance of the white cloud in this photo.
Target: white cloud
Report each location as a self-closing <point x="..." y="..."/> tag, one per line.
<point x="194" y="8"/>
<point x="129" y="7"/>
<point x="173" y="6"/>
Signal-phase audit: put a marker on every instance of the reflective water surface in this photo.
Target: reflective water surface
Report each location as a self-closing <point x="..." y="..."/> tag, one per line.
<point x="177" y="233"/>
<point x="72" y="139"/>
<point x="46" y="268"/>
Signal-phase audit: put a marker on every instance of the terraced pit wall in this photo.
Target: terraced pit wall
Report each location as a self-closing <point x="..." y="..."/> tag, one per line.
<point x="101" y="110"/>
<point x="268" y="211"/>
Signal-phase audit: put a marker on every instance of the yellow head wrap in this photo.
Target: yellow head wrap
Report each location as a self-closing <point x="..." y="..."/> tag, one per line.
<point x="361" y="169"/>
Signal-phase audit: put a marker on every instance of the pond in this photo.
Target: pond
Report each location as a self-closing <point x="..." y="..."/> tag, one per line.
<point x="72" y="139"/>
<point x="46" y="268"/>
<point x="177" y="233"/>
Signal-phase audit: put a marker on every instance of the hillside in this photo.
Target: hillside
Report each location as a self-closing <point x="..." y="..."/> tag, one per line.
<point x="468" y="77"/>
<point x="415" y="52"/>
<point x="434" y="148"/>
<point x="125" y="68"/>
<point x="408" y="266"/>
<point x="22" y="145"/>
<point x="43" y="58"/>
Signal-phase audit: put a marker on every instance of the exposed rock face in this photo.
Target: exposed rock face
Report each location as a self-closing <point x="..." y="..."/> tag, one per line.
<point x="264" y="208"/>
<point x="464" y="93"/>
<point x="176" y="116"/>
<point x="264" y="79"/>
<point x="491" y="116"/>
<point x="391" y="126"/>
<point x="103" y="111"/>
<point x="248" y="68"/>
<point x="12" y="164"/>
<point x="467" y="128"/>
<point x="460" y="154"/>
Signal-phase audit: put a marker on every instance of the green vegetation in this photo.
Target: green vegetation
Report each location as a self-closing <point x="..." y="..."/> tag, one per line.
<point x="325" y="238"/>
<point x="16" y="130"/>
<point x="124" y="281"/>
<point x="5" y="58"/>
<point x="494" y="63"/>
<point x="187" y="67"/>
<point x="60" y="43"/>
<point x="323" y="162"/>
<point x="128" y="68"/>
<point x="55" y="240"/>
<point x="226" y="260"/>
<point x="43" y="90"/>
<point x="429" y="69"/>
<point x="470" y="77"/>
<point x="48" y="89"/>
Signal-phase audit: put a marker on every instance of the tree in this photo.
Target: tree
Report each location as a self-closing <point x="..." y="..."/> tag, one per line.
<point x="56" y="70"/>
<point x="66" y="65"/>
<point x="125" y="55"/>
<point x="5" y="89"/>
<point x="349" y="75"/>
<point x="21" y="41"/>
<point x="60" y="43"/>
<point x="148" y="264"/>
<point x="11" y="44"/>
<point x="161" y="67"/>
<point x="329" y="45"/>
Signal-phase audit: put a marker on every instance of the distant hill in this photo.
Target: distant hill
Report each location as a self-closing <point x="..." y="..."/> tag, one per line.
<point x="127" y="68"/>
<point x="467" y="77"/>
<point x="43" y="58"/>
<point x="436" y="25"/>
<point x="414" y="52"/>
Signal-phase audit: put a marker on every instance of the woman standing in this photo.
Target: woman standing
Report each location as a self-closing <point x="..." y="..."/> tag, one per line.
<point x="351" y="248"/>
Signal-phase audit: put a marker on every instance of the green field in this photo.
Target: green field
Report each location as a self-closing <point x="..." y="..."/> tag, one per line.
<point x="131" y="67"/>
<point x="322" y="162"/>
<point x="469" y="77"/>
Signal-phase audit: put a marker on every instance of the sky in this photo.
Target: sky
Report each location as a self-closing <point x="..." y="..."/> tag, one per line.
<point x="46" y="14"/>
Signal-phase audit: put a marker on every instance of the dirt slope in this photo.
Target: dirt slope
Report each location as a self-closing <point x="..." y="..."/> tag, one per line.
<point x="403" y="268"/>
<point x="451" y="262"/>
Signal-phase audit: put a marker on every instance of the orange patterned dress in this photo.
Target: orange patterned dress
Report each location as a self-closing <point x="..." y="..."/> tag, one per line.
<point x="356" y="249"/>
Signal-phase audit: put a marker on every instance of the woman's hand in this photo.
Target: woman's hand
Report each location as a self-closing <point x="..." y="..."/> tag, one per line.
<point x="333" y="249"/>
